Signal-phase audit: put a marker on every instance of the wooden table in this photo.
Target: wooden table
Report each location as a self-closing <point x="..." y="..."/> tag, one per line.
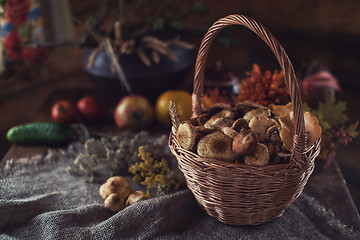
<point x="328" y="186"/>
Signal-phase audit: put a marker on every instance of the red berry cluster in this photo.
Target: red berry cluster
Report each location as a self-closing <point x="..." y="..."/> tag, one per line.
<point x="340" y="136"/>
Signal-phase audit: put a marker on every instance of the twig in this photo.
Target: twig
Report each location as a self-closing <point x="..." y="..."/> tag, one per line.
<point x="110" y="51"/>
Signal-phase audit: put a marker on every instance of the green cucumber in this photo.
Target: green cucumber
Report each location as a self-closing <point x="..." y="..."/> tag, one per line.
<point x="41" y="133"/>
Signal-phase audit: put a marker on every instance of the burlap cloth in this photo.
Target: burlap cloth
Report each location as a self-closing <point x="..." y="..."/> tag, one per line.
<point x="40" y="200"/>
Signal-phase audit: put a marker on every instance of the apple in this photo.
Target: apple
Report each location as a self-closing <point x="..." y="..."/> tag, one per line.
<point x="133" y="112"/>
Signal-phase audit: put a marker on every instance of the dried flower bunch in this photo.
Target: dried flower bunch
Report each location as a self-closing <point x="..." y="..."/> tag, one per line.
<point x="263" y="89"/>
<point x="154" y="174"/>
<point x="247" y="133"/>
<point x="137" y="26"/>
<point x="115" y="153"/>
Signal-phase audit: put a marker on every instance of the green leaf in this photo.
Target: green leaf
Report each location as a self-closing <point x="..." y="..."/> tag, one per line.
<point x="199" y="8"/>
<point x="176" y="25"/>
<point x="330" y="113"/>
<point x="158" y="24"/>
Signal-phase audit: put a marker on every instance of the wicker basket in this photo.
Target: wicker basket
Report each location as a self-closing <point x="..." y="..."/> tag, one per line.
<point x="239" y="194"/>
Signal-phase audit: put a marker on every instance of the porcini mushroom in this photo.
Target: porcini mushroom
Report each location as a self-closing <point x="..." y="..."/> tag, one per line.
<point x="260" y="124"/>
<point x="217" y="146"/>
<point x="114" y="202"/>
<point x="135" y="197"/>
<point x="260" y="157"/>
<point x="116" y="184"/>
<point x="245" y="142"/>
<point x="114" y="192"/>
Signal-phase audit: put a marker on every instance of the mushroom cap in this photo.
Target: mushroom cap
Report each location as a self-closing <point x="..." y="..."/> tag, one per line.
<point x="260" y="125"/>
<point x="222" y="114"/>
<point x="230" y="132"/>
<point x="217" y="107"/>
<point x="312" y="129"/>
<point x="246" y="106"/>
<point x="186" y="135"/>
<point x="273" y="134"/>
<point x="203" y="118"/>
<point x="135" y="197"/>
<point x="116" y="184"/>
<point x="245" y="142"/>
<point x="218" y="123"/>
<point x="280" y="110"/>
<point x="114" y="202"/>
<point x="260" y="157"/>
<point x="216" y="146"/>
<point x="240" y="124"/>
<point x="257" y="112"/>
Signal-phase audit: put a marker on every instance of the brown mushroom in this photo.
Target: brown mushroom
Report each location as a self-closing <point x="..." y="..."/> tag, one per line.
<point x="114" y="202"/>
<point x="135" y="197"/>
<point x="246" y="106"/>
<point x="287" y="130"/>
<point x="312" y="129"/>
<point x="222" y="114"/>
<point x="240" y="124"/>
<point x="273" y="134"/>
<point x="260" y="124"/>
<point x="203" y="118"/>
<point x="280" y="110"/>
<point x="217" y="107"/>
<point x="230" y="132"/>
<point x="260" y="157"/>
<point x="118" y="185"/>
<point x="218" y="123"/>
<point x="274" y="142"/>
<point x="216" y="146"/>
<point x="186" y="135"/>
<point x="263" y="111"/>
<point x="245" y="142"/>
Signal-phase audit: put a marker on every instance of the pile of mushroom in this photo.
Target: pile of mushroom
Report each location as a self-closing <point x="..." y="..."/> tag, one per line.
<point x="116" y="193"/>
<point x="247" y="133"/>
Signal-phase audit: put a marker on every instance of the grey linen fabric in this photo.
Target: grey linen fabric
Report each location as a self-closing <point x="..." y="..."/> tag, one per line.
<point x="40" y="200"/>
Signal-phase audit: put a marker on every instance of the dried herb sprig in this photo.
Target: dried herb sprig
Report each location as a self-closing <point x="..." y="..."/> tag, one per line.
<point x="174" y="116"/>
<point x="154" y="174"/>
<point x="115" y="153"/>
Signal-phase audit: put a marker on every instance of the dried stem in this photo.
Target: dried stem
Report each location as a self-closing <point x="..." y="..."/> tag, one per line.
<point x="174" y="116"/>
<point x="110" y="51"/>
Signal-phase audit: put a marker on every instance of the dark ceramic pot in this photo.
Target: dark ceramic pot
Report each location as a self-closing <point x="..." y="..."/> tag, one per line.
<point x="149" y="81"/>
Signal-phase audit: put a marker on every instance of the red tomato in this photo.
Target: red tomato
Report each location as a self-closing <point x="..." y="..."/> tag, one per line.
<point x="64" y="111"/>
<point x="89" y="108"/>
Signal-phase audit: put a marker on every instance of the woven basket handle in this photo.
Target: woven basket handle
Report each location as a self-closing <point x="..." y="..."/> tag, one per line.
<point x="290" y="78"/>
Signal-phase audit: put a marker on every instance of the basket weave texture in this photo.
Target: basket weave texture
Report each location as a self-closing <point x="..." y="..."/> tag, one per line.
<point x="239" y="194"/>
